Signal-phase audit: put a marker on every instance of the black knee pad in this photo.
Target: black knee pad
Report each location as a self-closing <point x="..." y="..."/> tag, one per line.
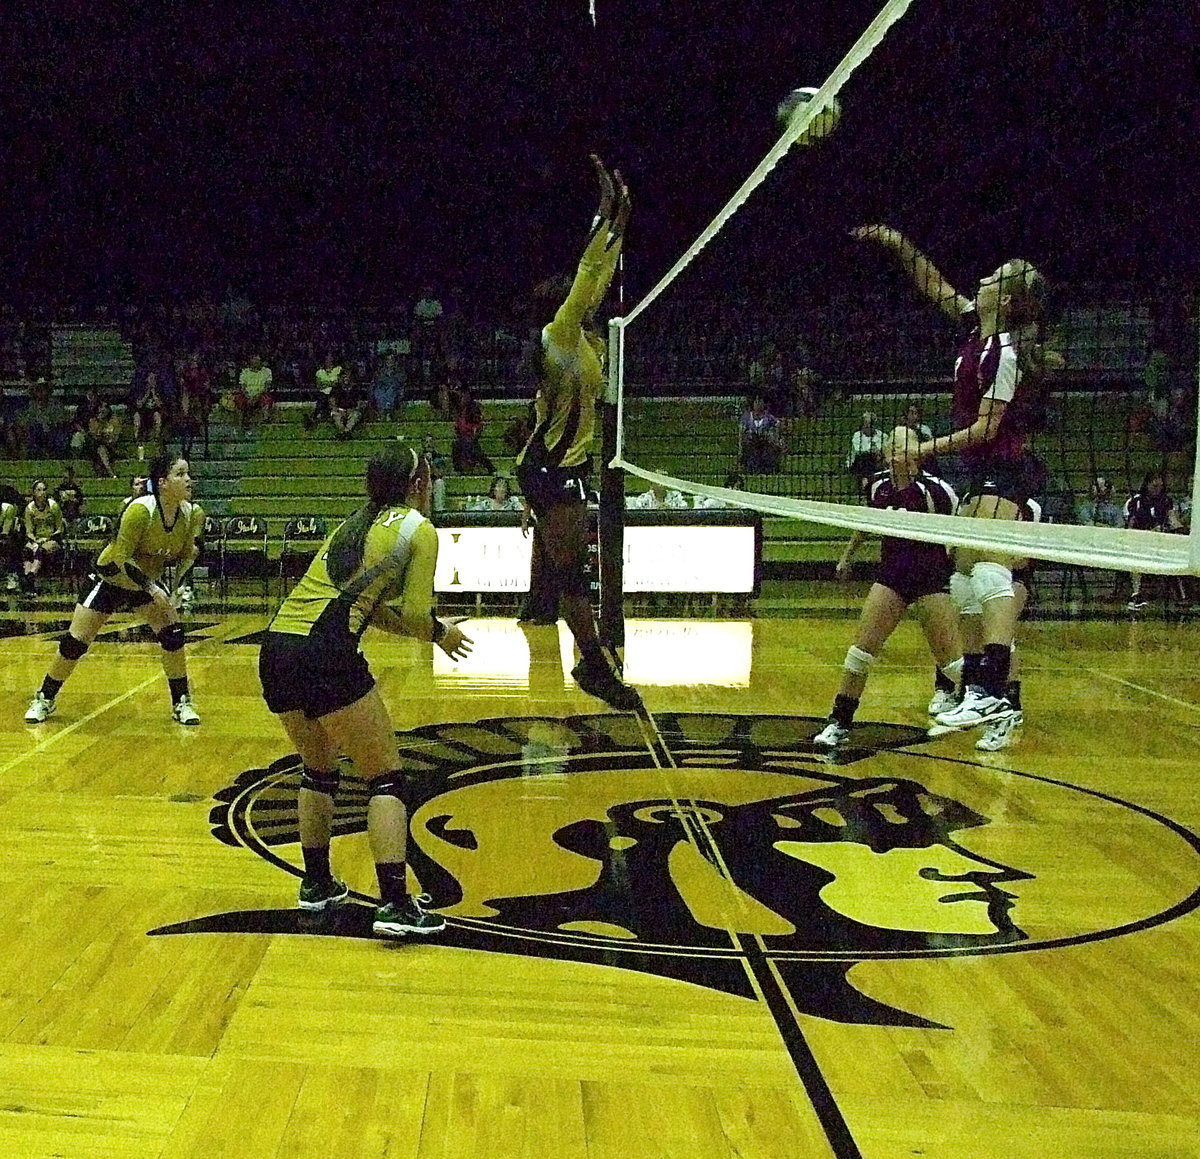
<point x="71" y="647"/>
<point x="320" y="781"/>
<point x="393" y="784"/>
<point x="171" y="638"/>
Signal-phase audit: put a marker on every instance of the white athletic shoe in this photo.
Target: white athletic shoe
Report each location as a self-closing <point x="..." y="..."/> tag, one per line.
<point x="1001" y="733"/>
<point x="12" y="583"/>
<point x="977" y="707"/>
<point x="39" y="708"/>
<point x="943" y="701"/>
<point x="184" y="712"/>
<point x="832" y="735"/>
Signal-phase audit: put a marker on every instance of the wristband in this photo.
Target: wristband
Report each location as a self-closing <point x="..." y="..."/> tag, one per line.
<point x="439" y="629"/>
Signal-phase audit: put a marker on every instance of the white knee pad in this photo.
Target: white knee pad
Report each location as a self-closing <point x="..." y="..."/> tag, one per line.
<point x="962" y="593"/>
<point x="992" y="581"/>
<point x="858" y="661"/>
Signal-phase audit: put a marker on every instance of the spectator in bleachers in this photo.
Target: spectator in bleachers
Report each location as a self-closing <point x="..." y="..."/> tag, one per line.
<point x="137" y="488"/>
<point x="70" y="495"/>
<point x="325" y="378"/>
<point x="912" y="420"/>
<point x="254" y="395"/>
<point x="387" y="387"/>
<point x="10" y="406"/>
<point x="346" y="405"/>
<point x="148" y="406"/>
<point x="437" y="473"/>
<point x="44" y="426"/>
<point x="498" y="498"/>
<point x="197" y="397"/>
<point x="10" y="540"/>
<point x="1151" y="508"/>
<point x="865" y="456"/>
<point x="1100" y="509"/>
<point x="467" y="454"/>
<point x="760" y="447"/>
<point x="43" y="534"/>
<point x="658" y="498"/>
<point x="427" y="335"/>
<point x="733" y="481"/>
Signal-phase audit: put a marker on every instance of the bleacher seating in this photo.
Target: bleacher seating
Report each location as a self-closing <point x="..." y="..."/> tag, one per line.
<point x="281" y="472"/>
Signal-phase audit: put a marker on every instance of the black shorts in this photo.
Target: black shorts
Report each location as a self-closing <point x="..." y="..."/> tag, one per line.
<point x="912" y="585"/>
<point x="98" y="595"/>
<point x="312" y="676"/>
<point x="1012" y="479"/>
<point x="545" y="487"/>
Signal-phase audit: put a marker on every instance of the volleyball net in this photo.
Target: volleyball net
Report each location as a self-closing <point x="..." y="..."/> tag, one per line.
<point x="810" y="338"/>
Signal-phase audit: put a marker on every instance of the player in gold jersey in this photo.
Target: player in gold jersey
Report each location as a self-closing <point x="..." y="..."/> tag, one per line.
<point x="159" y="529"/>
<point x="317" y="682"/>
<point x="554" y="465"/>
<point x="44" y="530"/>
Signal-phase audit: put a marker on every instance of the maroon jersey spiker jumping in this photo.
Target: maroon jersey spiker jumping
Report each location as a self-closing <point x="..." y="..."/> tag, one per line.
<point x="906" y="560"/>
<point x="988" y="368"/>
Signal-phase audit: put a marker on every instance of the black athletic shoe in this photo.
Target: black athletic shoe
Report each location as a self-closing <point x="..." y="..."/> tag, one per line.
<point x="597" y="679"/>
<point x="398" y="921"/>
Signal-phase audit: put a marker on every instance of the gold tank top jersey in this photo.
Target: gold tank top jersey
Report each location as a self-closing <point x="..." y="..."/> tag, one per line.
<point x="143" y="539"/>
<point x="43" y="522"/>
<point x="399" y="556"/>
<point x="573" y="363"/>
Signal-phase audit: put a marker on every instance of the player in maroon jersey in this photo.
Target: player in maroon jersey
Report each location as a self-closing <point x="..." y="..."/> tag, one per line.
<point x="995" y="403"/>
<point x="911" y="575"/>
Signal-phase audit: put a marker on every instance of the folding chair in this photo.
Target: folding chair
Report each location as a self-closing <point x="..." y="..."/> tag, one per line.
<point x="301" y="537"/>
<point x="85" y="537"/>
<point x="244" y="552"/>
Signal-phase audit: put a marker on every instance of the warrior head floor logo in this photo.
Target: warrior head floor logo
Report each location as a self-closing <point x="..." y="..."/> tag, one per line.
<point x="711" y="843"/>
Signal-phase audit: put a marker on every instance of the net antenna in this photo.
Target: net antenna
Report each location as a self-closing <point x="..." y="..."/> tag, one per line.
<point x="1088" y="546"/>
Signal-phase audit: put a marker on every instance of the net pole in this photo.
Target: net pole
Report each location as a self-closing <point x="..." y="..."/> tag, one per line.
<point x="611" y="516"/>
<point x="1194" y="531"/>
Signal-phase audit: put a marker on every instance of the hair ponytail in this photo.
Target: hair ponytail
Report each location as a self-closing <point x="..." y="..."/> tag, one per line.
<point x="388" y="477"/>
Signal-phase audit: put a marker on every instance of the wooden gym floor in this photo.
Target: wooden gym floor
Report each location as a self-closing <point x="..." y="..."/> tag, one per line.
<point x="683" y="934"/>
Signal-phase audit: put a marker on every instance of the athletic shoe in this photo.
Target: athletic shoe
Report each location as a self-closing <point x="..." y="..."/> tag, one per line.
<point x="12" y="583"/>
<point x="1001" y="733"/>
<point x="943" y="701"/>
<point x="394" y="921"/>
<point x="977" y="707"/>
<point x="185" y="599"/>
<point x="184" y="712"/>
<point x="315" y="896"/>
<point x="832" y="735"/>
<point x="39" y="708"/>
<point x="597" y="679"/>
<point x="1137" y="604"/>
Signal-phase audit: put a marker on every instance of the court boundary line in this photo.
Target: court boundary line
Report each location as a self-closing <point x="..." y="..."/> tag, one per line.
<point x="763" y="973"/>
<point x="43" y="745"/>
<point x="1142" y="688"/>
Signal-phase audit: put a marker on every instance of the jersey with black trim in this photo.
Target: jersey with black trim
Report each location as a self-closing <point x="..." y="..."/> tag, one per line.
<point x="573" y="363"/>
<point x="399" y="556"/>
<point x="925" y="493"/>
<point x="144" y="539"/>
<point x="1146" y="512"/>
<point x="988" y="368"/>
<point x="44" y="522"/>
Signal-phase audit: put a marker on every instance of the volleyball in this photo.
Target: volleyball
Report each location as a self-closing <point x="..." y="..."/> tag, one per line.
<point x="791" y="108"/>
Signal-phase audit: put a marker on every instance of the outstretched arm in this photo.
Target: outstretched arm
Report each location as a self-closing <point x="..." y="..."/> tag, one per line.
<point x="599" y="260"/>
<point x="925" y="275"/>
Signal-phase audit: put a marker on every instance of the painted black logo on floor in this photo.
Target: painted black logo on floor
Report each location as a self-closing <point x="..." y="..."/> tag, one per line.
<point x="716" y="840"/>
